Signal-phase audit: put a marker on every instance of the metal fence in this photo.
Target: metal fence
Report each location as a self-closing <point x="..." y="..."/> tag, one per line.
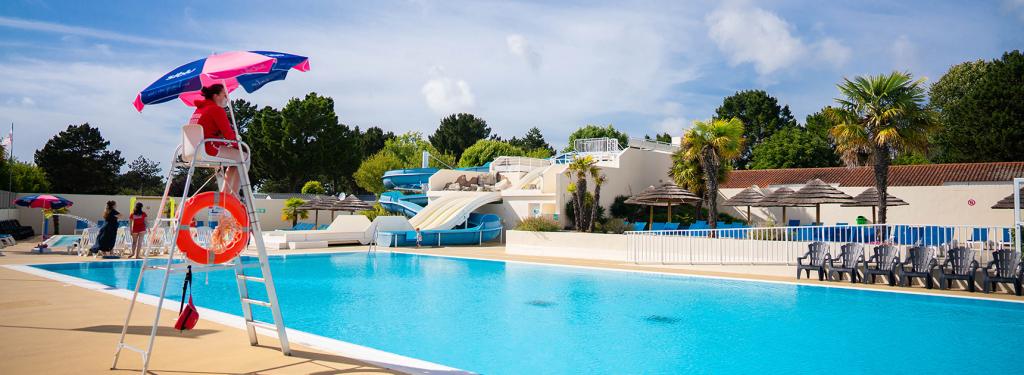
<point x="511" y="164"/>
<point x="652" y="145"/>
<point x="7" y="199"/>
<point x="782" y="245"/>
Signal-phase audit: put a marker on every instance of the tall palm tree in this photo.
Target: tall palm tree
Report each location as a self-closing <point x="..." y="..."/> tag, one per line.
<point x="580" y="169"/>
<point x="599" y="180"/>
<point x="689" y="175"/>
<point x="878" y="117"/>
<point x="713" y="145"/>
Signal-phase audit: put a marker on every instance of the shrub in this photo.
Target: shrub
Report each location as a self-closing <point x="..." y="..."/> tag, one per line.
<point x="377" y="210"/>
<point x="538" y="224"/>
<point x="614" y="226"/>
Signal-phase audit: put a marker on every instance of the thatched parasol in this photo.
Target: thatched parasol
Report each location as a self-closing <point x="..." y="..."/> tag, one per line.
<point x="1007" y="203"/>
<point x="665" y="195"/>
<point x="869" y="198"/>
<point x="816" y="193"/>
<point x="319" y="203"/>
<point x="748" y="197"/>
<point x="774" y="199"/>
<point x="352" y="203"/>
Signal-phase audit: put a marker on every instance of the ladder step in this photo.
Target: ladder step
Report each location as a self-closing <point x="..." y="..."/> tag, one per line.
<point x="252" y="278"/>
<point x="255" y="302"/>
<point x="264" y="325"/>
<point x="132" y="348"/>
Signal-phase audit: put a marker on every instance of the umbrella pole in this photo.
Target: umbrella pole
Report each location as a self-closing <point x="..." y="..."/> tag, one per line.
<point x="784" y="222"/>
<point x="651" y="224"/>
<point x="748" y="215"/>
<point x="817" y="214"/>
<point x="669" y="213"/>
<point x="873" y="218"/>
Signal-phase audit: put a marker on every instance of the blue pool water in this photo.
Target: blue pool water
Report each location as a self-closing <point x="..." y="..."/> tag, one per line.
<point x="510" y="318"/>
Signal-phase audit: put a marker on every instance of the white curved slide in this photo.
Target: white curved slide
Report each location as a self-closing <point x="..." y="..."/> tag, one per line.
<point x="452" y="209"/>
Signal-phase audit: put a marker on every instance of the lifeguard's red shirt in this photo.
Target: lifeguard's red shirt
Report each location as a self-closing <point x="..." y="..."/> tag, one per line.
<point x="138" y="222"/>
<point x="215" y="124"/>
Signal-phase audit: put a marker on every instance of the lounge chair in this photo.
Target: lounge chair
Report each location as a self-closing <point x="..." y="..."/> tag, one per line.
<point x="960" y="264"/>
<point x="7" y="240"/>
<point x="671" y="226"/>
<point x="657" y="226"/>
<point x="883" y="261"/>
<point x="1008" y="269"/>
<point x="851" y="255"/>
<point x="793" y="223"/>
<point x="639" y="226"/>
<point x="922" y="262"/>
<point x="817" y="255"/>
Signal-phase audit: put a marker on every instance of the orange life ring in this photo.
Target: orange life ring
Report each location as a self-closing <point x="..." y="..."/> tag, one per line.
<point x="231" y="247"/>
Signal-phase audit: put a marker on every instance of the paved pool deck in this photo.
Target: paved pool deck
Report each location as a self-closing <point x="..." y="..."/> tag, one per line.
<point x="52" y="327"/>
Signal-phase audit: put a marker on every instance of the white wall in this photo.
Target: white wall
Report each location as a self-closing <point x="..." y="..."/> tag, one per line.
<point x="948" y="205"/>
<point x="637" y="169"/>
<point x="567" y="245"/>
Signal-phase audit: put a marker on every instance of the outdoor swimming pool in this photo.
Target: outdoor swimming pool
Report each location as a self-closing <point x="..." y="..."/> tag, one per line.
<point x="512" y="318"/>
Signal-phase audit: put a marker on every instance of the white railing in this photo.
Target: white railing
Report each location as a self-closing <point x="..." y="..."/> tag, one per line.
<point x="652" y="145"/>
<point x="597" y="145"/>
<point x="782" y="245"/>
<point x="512" y="164"/>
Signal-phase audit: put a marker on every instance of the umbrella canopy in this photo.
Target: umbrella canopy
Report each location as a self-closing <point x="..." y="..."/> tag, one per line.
<point x="1007" y="203"/>
<point x="249" y="69"/>
<point x="748" y="197"/>
<point x="774" y="199"/>
<point x="869" y="198"/>
<point x="43" y="201"/>
<point x="667" y="195"/>
<point x="816" y="193"/>
<point x="352" y="203"/>
<point x="319" y="203"/>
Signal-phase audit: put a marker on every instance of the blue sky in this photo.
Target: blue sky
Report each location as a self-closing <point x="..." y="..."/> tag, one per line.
<point x="645" y="66"/>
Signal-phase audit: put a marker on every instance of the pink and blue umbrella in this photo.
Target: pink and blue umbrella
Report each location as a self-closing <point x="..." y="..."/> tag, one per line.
<point x="44" y="201"/>
<point x="248" y="69"/>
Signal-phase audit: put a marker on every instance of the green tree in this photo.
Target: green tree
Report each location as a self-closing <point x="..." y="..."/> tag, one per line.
<point x="761" y="116"/>
<point x="538" y="153"/>
<point x="485" y="150"/>
<point x="533" y="140"/>
<point x="595" y="131"/>
<point x="713" y="144"/>
<point x="981" y="110"/>
<point x="301" y="142"/>
<point x="292" y="212"/>
<point x="457" y="132"/>
<point x="245" y="114"/>
<point x="793" y="147"/>
<point x="663" y="137"/>
<point x="313" y="187"/>
<point x="28" y="178"/>
<point x="879" y="116"/>
<point x="79" y="161"/>
<point x="404" y="151"/>
<point x="142" y="178"/>
<point x="372" y="141"/>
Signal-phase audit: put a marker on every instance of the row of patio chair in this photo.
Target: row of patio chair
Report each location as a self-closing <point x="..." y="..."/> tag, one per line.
<point x="960" y="263"/>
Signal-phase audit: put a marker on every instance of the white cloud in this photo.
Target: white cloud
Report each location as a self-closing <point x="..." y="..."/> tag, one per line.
<point x="674" y="126"/>
<point x="904" y="53"/>
<point x="748" y="34"/>
<point x="519" y="46"/>
<point x="27" y="101"/>
<point x="833" y="52"/>
<point x="1015" y="6"/>
<point x="445" y="95"/>
<point x="68" y="30"/>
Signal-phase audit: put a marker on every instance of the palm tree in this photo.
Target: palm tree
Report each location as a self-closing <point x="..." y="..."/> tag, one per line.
<point x="580" y="169"/>
<point x="292" y="212"/>
<point x="878" y="117"/>
<point x="689" y="175"/>
<point x="599" y="180"/>
<point x="713" y="145"/>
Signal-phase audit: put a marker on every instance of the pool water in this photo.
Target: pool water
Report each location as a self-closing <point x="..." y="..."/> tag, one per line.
<point x="495" y="317"/>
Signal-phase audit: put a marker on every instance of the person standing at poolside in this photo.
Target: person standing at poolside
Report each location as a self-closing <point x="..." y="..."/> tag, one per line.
<point x="419" y="238"/>
<point x="138" y="229"/>
<point x="107" y="236"/>
<point x="211" y="116"/>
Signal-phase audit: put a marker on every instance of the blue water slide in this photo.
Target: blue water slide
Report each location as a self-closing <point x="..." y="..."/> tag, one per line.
<point x="413" y="178"/>
<point x="405" y="204"/>
<point x="479" y="228"/>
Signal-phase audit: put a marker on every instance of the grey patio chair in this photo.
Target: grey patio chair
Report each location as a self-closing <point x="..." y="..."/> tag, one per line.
<point x="922" y="262"/>
<point x="1008" y="269"/>
<point x="850" y="256"/>
<point x="883" y="261"/>
<point x="817" y="255"/>
<point x="960" y="264"/>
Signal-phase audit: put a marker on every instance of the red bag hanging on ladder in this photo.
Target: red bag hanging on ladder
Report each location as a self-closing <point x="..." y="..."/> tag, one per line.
<point x="187" y="314"/>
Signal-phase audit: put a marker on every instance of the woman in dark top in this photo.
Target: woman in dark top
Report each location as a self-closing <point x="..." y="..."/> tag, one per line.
<point x="108" y="232"/>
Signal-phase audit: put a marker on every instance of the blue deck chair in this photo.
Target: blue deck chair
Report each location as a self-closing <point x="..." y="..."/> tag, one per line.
<point x="979" y="234"/>
<point x="1007" y="235"/>
<point x="639" y="226"/>
<point x="100" y="223"/>
<point x="122" y="223"/>
<point x="322" y="226"/>
<point x="793" y="223"/>
<point x="81" y="226"/>
<point x="657" y="226"/>
<point x="671" y="226"/>
<point x="213" y="224"/>
<point x="199" y="223"/>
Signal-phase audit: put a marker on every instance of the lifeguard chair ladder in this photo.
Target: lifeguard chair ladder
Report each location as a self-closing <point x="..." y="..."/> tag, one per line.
<point x="191" y="154"/>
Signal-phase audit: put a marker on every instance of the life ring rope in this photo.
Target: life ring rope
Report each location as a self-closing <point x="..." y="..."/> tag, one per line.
<point x="227" y="240"/>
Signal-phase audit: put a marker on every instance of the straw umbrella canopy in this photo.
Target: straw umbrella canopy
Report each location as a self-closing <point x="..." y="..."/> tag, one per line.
<point x="665" y="195"/>
<point x="1007" y="203"/>
<point x="748" y="197"/>
<point x="775" y="199"/>
<point x="816" y="193"/>
<point x="318" y="203"/>
<point x="869" y="198"/>
<point x="352" y="203"/>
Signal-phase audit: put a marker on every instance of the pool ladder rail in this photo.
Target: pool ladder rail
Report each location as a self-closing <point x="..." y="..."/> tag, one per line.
<point x="241" y="278"/>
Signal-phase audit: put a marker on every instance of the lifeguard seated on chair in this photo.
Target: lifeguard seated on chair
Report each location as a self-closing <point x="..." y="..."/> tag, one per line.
<point x="213" y="121"/>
